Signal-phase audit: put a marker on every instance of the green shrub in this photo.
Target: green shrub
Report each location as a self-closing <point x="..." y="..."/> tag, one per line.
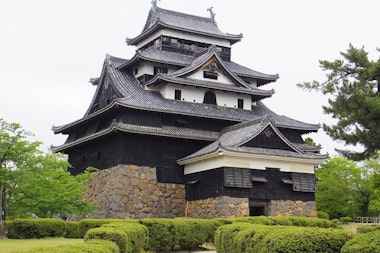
<point x="72" y="230"/>
<point x="367" y="229"/>
<point x="224" y="236"/>
<point x="137" y="235"/>
<point x="192" y="233"/>
<point x="300" y="240"/>
<point x="323" y="215"/>
<point x="93" y="246"/>
<point x="110" y="234"/>
<point x="250" y="239"/>
<point x="243" y="237"/>
<point x="363" y="243"/>
<point x="87" y="224"/>
<point x="345" y="219"/>
<point x="35" y="228"/>
<point x="161" y="234"/>
<point x="286" y="221"/>
<point x="264" y="220"/>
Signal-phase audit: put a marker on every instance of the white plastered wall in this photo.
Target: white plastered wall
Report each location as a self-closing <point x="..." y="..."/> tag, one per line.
<point x="252" y="162"/>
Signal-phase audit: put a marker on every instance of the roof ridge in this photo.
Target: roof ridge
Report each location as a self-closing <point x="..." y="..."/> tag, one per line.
<point x="183" y="14"/>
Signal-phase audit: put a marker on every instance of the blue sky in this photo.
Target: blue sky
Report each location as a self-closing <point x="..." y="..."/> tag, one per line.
<point x="51" y="48"/>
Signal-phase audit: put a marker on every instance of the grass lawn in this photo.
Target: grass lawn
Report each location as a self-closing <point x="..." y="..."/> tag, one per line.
<point x="10" y="245"/>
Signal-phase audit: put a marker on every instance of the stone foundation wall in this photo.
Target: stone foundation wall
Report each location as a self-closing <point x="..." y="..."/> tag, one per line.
<point x="292" y="208"/>
<point x="128" y="191"/>
<point x="219" y="207"/>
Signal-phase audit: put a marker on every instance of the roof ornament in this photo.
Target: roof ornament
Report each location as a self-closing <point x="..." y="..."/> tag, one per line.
<point x="154" y="5"/>
<point x="108" y="59"/>
<point x="212" y="14"/>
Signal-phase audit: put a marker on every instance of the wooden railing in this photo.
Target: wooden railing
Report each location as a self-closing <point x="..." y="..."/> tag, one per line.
<point x="366" y="219"/>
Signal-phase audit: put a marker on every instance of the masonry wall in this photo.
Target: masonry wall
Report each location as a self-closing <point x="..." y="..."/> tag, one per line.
<point x="129" y="191"/>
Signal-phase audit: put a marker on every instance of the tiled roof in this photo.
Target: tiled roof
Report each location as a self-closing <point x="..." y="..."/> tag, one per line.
<point x="160" y="56"/>
<point x="232" y="139"/>
<point x="168" y="131"/>
<point x="183" y="22"/>
<point x="134" y="96"/>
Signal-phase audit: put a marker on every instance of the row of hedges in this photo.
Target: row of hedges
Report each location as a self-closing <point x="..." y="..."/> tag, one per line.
<point x="173" y="228"/>
<point x="242" y="237"/>
<point x="93" y="246"/>
<point x="286" y="221"/>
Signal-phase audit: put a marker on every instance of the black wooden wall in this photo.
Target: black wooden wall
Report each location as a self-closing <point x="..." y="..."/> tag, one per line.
<point x="212" y="183"/>
<point x="142" y="150"/>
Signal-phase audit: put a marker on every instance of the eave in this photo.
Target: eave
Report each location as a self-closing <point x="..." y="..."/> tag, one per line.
<point x="165" y="131"/>
<point x="160" y="25"/>
<point x="219" y="152"/>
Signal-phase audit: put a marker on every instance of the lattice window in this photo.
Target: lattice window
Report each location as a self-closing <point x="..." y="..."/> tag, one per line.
<point x="236" y="177"/>
<point x="303" y="182"/>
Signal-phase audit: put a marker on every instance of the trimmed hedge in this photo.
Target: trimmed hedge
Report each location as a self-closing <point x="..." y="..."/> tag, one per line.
<point x="286" y="221"/>
<point x="87" y="224"/>
<point x="363" y="243"/>
<point x="117" y="236"/>
<point x="298" y="240"/>
<point x="72" y="229"/>
<point x="137" y="235"/>
<point x="93" y="246"/>
<point x="35" y="228"/>
<point x="242" y="237"/>
<point x="179" y="233"/>
<point x="161" y="234"/>
<point x="192" y="233"/>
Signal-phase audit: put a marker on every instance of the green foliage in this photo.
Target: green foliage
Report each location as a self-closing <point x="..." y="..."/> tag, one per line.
<point x="367" y="229"/>
<point x="161" y="234"/>
<point x="245" y="237"/>
<point x="35" y="228"/>
<point x="110" y="234"/>
<point x="323" y="215"/>
<point x="224" y="236"/>
<point x="286" y="221"/>
<point x="137" y="235"/>
<point x="190" y="234"/>
<point x="34" y="183"/>
<point x="72" y="230"/>
<point x="345" y="219"/>
<point x="347" y="189"/>
<point x="363" y="243"/>
<point x="93" y="246"/>
<point x="298" y="240"/>
<point x="87" y="224"/>
<point x="353" y="85"/>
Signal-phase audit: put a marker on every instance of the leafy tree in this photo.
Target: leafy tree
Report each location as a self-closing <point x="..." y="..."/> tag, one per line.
<point x="347" y="189"/>
<point x="353" y="85"/>
<point x="33" y="183"/>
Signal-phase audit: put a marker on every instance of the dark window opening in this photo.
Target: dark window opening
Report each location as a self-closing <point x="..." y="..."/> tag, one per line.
<point x="209" y="98"/>
<point x="257" y="211"/>
<point x="177" y="94"/>
<point x="136" y="71"/>
<point x="160" y="70"/>
<point x="210" y="75"/>
<point x="240" y="103"/>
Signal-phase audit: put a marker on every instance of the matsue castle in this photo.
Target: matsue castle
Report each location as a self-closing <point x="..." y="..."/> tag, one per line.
<point x="181" y="130"/>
